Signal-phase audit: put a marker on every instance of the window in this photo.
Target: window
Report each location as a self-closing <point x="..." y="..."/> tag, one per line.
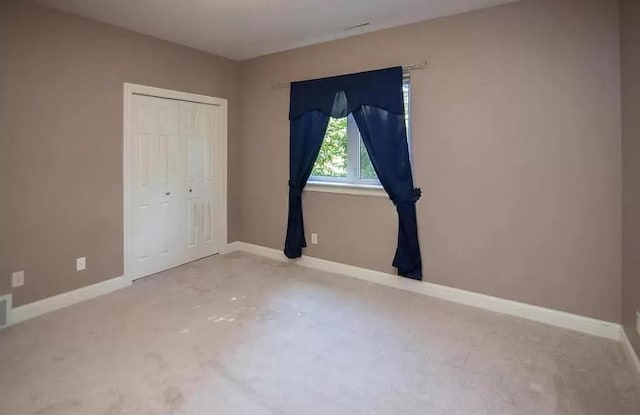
<point x="343" y="158"/>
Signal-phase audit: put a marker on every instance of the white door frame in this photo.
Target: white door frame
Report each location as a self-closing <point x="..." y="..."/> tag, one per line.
<point x="220" y="165"/>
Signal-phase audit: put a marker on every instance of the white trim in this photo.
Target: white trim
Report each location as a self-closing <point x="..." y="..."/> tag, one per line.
<point x="131" y="89"/>
<point x="549" y="316"/>
<point x="31" y="310"/>
<point x="8" y="298"/>
<point x="631" y="353"/>
<point x="345" y="188"/>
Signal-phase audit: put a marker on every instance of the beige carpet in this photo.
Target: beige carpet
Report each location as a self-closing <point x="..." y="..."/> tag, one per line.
<point x="240" y="334"/>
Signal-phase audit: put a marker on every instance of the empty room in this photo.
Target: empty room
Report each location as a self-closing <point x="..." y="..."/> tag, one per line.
<point x="285" y="207"/>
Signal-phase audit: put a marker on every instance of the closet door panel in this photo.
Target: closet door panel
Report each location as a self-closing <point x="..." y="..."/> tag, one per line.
<point x="156" y="170"/>
<point x="200" y="127"/>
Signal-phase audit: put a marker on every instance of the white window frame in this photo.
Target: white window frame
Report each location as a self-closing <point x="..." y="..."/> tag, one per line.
<point x="353" y="184"/>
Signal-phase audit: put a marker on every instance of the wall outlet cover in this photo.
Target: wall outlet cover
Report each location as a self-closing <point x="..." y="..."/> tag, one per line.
<point x="638" y="322"/>
<point x="17" y="279"/>
<point x="314" y="238"/>
<point x="81" y="264"/>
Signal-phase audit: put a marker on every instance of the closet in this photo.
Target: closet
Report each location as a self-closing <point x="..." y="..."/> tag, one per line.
<point x="173" y="208"/>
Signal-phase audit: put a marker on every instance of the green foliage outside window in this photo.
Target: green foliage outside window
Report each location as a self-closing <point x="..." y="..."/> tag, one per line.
<point x="332" y="160"/>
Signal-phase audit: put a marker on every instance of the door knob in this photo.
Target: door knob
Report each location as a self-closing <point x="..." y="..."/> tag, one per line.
<point x="190" y="190"/>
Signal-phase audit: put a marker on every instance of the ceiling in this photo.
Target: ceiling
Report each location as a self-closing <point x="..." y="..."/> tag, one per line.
<point x="242" y="29"/>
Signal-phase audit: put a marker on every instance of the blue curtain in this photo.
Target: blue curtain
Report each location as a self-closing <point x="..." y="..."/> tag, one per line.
<point x="375" y="99"/>
<point x="307" y="133"/>
<point x="385" y="137"/>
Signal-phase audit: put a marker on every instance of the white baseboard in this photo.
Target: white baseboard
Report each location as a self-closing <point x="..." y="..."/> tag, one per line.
<point x="31" y="310"/>
<point x="549" y="316"/>
<point x="630" y="352"/>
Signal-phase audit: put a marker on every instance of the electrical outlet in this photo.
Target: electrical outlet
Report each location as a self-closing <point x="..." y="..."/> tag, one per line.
<point x="638" y="322"/>
<point x="314" y="238"/>
<point x="81" y="264"/>
<point x="17" y="279"/>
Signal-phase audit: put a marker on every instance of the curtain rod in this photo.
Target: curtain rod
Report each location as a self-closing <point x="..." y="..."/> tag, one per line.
<point x="405" y="68"/>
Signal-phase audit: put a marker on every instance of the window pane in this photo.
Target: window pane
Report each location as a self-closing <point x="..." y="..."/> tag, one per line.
<point x="337" y="152"/>
<point x="332" y="160"/>
<point x="366" y="168"/>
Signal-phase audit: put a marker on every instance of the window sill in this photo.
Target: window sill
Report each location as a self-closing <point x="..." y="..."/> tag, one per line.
<point x="346" y="188"/>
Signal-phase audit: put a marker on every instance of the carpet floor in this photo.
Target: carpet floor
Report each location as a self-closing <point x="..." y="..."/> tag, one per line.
<point x="241" y="334"/>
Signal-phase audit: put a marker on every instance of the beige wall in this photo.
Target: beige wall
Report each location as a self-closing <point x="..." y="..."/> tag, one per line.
<point x="516" y="146"/>
<point x="630" y="42"/>
<point x="61" y="82"/>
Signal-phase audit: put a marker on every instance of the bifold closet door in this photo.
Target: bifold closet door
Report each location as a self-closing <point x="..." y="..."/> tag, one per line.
<point x="200" y="129"/>
<point x="172" y="204"/>
<point x="157" y="157"/>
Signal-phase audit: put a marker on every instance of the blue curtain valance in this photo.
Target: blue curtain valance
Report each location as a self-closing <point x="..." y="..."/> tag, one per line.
<point x="339" y="96"/>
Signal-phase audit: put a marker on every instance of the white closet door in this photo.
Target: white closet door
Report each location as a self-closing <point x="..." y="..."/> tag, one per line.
<point x="201" y="131"/>
<point x="157" y="172"/>
<point x="173" y="211"/>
